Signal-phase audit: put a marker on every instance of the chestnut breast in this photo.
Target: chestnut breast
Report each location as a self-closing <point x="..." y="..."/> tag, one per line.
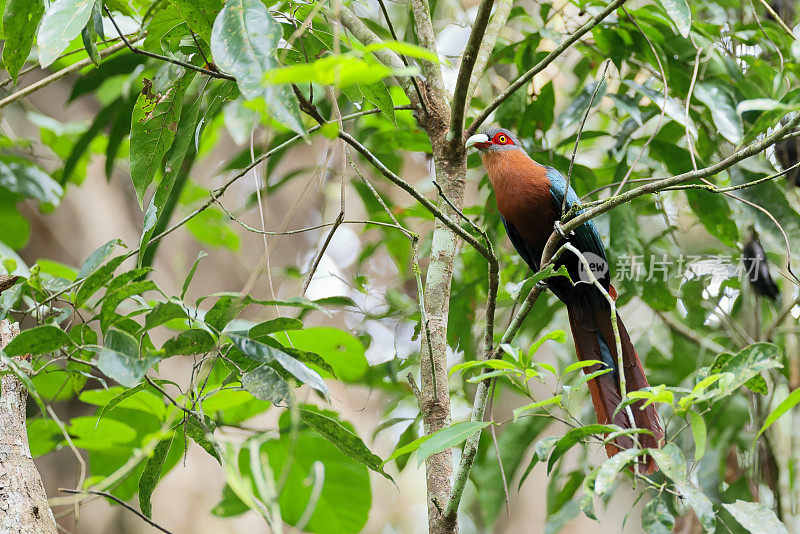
<point x="522" y="190"/>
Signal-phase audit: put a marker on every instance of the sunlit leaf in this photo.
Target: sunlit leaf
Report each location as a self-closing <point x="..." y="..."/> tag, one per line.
<point x="62" y="22"/>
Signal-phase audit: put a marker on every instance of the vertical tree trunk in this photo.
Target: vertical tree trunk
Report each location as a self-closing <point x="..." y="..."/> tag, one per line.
<point x="23" y="502"/>
<point x="450" y="169"/>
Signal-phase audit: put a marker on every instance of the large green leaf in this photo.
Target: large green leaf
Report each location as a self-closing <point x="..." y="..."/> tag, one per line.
<point x="723" y="110"/>
<point x="119" y="359"/>
<point x="243" y="42"/>
<point x="62" y="22"/>
<point x="37" y="340"/>
<point x="713" y="211"/>
<point x="344" y="439"/>
<point x="153" y="126"/>
<point x="199" y="14"/>
<point x="265" y="353"/>
<point x="20" y="20"/>
<point x="266" y="384"/>
<point x="151" y="475"/>
<point x="30" y="181"/>
<point x="786" y="404"/>
<point x="680" y="13"/>
<point x="755" y="517"/>
<point x="342" y="350"/>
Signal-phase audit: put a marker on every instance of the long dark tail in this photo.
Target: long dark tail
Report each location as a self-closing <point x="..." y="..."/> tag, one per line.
<point x="593" y="333"/>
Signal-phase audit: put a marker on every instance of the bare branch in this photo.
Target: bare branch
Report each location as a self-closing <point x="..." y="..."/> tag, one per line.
<point x="461" y="94"/>
<point x="427" y="40"/>
<point x="32" y="88"/>
<point x="497" y="22"/>
<point x="539" y="67"/>
<point x="120" y="502"/>
<point x="580" y="132"/>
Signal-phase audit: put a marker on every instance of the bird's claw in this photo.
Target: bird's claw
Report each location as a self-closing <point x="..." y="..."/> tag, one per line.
<point x="557" y="227"/>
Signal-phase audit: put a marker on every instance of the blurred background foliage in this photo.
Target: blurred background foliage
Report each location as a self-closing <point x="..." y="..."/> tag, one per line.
<point x="181" y="116"/>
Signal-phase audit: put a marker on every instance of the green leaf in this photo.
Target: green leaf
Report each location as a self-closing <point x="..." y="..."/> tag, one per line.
<point x="202" y="254"/>
<point x="187" y="125"/>
<point x="97" y="258"/>
<point x="377" y="94"/>
<point x="656" y="517"/>
<point x="193" y="341"/>
<point x="89" y="35"/>
<point x="343" y="70"/>
<point x="96" y="280"/>
<point x="448" y="437"/>
<point x="114" y="298"/>
<point x="572" y="437"/>
<point x="243" y="42"/>
<point x="786" y="404"/>
<point x="342" y="350"/>
<point x="701" y="505"/>
<point x="344" y="440"/>
<point x="279" y="324"/>
<point x="224" y="311"/>
<point x="265" y="383"/>
<point x="20" y="20"/>
<point x="723" y="110"/>
<point x="552" y="400"/>
<point x="151" y="474"/>
<point x="755" y="517"/>
<point x="264" y="353"/>
<point x="62" y="22"/>
<point x="195" y="430"/>
<point x="608" y="471"/>
<point x="714" y="212"/>
<point x="680" y="13"/>
<point x="153" y="126"/>
<point x="403" y="48"/>
<point x="119" y="359"/>
<point x="738" y="369"/>
<point x="344" y="502"/>
<point x="162" y="313"/>
<point x="671" y="462"/>
<point x="37" y="340"/>
<point x="199" y="14"/>
<point x="30" y="181"/>
<point x="699" y="433"/>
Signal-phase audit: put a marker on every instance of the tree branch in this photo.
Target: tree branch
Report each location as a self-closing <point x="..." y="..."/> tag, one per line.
<point x="120" y="502"/>
<point x="66" y="71"/>
<point x="461" y="94"/>
<point x="185" y="65"/>
<point x="386" y="56"/>
<point x="490" y="36"/>
<point x="539" y="67"/>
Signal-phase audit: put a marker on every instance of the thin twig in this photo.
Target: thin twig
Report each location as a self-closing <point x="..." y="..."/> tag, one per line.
<point x="32" y="88"/>
<point x="120" y="502"/>
<point x="136" y="50"/>
<point x="543" y="64"/>
<point x="777" y="17"/>
<point x="578" y="136"/>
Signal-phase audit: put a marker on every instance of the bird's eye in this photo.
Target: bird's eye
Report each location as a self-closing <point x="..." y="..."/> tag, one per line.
<point x="502" y="139"/>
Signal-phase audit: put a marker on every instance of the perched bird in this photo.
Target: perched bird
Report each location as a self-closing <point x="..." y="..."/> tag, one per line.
<point x="757" y="264"/>
<point x="529" y="197"/>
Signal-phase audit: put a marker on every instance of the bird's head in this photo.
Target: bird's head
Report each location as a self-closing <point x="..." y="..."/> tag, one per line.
<point x="498" y="139"/>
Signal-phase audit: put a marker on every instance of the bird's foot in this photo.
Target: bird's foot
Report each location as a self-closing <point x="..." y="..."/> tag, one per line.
<point x="557" y="228"/>
<point x="541" y="285"/>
